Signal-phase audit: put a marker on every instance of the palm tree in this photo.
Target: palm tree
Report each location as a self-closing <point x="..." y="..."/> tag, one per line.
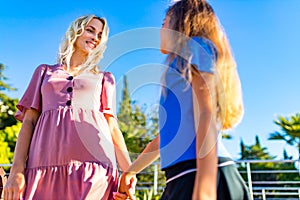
<point x="290" y="130"/>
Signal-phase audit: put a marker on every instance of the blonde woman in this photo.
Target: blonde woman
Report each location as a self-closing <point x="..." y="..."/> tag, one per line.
<point x="201" y="96"/>
<point x="69" y="142"/>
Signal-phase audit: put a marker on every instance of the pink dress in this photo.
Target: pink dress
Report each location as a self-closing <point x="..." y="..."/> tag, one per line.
<point x="71" y="154"/>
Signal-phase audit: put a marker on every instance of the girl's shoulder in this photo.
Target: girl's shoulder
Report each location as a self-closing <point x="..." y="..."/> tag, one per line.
<point x="196" y="43"/>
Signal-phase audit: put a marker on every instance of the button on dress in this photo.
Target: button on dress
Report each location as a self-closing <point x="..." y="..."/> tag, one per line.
<point x="71" y="155"/>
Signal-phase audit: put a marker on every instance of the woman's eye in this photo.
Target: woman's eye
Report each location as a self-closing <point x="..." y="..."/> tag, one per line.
<point x="89" y="30"/>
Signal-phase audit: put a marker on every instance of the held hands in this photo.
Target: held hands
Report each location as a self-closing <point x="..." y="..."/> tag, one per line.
<point x="14" y="187"/>
<point x="126" y="187"/>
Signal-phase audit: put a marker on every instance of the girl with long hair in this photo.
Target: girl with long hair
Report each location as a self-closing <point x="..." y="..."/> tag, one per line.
<point x="201" y="96"/>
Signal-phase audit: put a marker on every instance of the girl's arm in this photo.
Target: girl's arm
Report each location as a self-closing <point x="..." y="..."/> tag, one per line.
<point x="206" y="139"/>
<point x="15" y="185"/>
<point x="149" y="155"/>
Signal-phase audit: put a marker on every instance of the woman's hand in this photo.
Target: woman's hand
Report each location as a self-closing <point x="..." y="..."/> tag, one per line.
<point x="127" y="186"/>
<point x="14" y="187"/>
<point x="120" y="196"/>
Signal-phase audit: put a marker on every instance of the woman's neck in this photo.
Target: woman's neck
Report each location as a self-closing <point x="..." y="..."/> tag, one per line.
<point x="75" y="62"/>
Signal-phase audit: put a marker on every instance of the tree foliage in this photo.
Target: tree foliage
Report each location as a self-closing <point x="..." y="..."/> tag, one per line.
<point x="258" y="152"/>
<point x="138" y="130"/>
<point x="9" y="127"/>
<point x="8" y="138"/>
<point x="290" y="131"/>
<point x="7" y="104"/>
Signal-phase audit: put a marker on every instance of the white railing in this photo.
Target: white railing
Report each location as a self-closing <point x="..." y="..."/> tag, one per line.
<point x="263" y="189"/>
<point x="259" y="189"/>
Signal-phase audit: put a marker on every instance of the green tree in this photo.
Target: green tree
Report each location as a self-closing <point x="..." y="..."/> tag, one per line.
<point x="9" y="127"/>
<point x="258" y="152"/>
<point x="254" y="152"/>
<point x="7" y="104"/>
<point x="290" y="131"/>
<point x="138" y="130"/>
<point x="8" y="138"/>
<point x="132" y="123"/>
<point x="286" y="156"/>
<point x="226" y="136"/>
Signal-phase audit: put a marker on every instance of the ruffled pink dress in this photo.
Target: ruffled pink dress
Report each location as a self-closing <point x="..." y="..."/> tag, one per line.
<point x="71" y="154"/>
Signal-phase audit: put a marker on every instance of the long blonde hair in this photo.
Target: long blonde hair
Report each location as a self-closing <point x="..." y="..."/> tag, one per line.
<point x="67" y="48"/>
<point x="197" y="18"/>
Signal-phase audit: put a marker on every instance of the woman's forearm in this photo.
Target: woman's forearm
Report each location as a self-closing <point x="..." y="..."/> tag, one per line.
<point x="24" y="140"/>
<point x="120" y="147"/>
<point x="21" y="150"/>
<point x="121" y="151"/>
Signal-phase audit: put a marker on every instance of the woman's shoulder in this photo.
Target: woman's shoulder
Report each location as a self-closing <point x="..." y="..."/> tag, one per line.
<point x="43" y="67"/>
<point x="107" y="75"/>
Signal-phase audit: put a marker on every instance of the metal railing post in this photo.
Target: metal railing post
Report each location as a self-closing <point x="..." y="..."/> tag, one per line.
<point x="155" y="179"/>
<point x="263" y="193"/>
<point x="249" y="180"/>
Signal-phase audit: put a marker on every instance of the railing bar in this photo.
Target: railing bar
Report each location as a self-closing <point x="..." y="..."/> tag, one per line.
<point x="271" y="171"/>
<point x="276" y="193"/>
<point x="275" y="188"/>
<point x="275" y="182"/>
<point x="5" y="165"/>
<point x="264" y="161"/>
<point x="282" y="194"/>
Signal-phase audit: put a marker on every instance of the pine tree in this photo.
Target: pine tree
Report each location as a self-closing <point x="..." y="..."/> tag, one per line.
<point x="132" y="123"/>
<point x="138" y="130"/>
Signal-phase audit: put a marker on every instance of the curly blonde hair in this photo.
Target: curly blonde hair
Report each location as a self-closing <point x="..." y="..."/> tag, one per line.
<point x="67" y="47"/>
<point x="197" y="18"/>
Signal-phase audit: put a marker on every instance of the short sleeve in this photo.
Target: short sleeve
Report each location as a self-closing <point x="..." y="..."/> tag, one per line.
<point x="108" y="94"/>
<point x="32" y="97"/>
<point x="203" y="54"/>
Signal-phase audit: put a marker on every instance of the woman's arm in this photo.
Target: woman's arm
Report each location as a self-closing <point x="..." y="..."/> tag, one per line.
<point x="122" y="154"/>
<point x="206" y="139"/>
<point x="15" y="185"/>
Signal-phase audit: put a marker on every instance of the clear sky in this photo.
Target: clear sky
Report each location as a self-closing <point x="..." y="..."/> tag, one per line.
<point x="264" y="35"/>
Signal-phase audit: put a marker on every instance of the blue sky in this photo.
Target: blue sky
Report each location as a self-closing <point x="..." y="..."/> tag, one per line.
<point x="264" y="35"/>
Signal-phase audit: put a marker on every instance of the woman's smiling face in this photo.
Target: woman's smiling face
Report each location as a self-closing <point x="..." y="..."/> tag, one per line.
<point x="90" y="37"/>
